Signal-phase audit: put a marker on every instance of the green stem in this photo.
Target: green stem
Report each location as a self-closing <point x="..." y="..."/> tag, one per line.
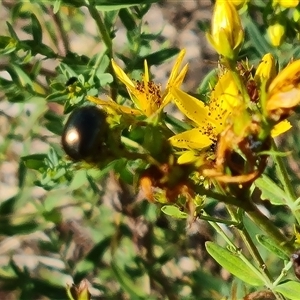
<point x="268" y="227"/>
<point x="105" y="35"/>
<point x="228" y="240"/>
<point x="238" y="218"/>
<point x="206" y="217"/>
<point x="238" y="81"/>
<point x="286" y="182"/>
<point x="101" y="27"/>
<point x="64" y="37"/>
<point x="283" y="273"/>
<point x="260" y="220"/>
<point x="250" y="244"/>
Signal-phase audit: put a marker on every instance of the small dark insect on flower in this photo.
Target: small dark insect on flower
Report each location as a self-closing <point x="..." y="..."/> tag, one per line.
<point x="296" y="263"/>
<point x="71" y="80"/>
<point x="84" y="134"/>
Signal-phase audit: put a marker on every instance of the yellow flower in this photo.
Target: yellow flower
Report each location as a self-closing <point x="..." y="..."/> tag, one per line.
<point x="276" y="33"/>
<point x="284" y="92"/>
<point x="210" y="120"/>
<point x="286" y="3"/>
<point x="265" y="73"/>
<point x="227" y="34"/>
<point x="239" y="3"/>
<point x="146" y="95"/>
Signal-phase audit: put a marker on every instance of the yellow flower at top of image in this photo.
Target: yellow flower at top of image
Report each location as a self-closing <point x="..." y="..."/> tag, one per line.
<point x="147" y="96"/>
<point x="286" y="3"/>
<point x="227" y="33"/>
<point x="209" y="120"/>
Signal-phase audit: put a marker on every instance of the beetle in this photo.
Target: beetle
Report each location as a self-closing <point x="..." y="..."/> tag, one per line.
<point x="85" y="133"/>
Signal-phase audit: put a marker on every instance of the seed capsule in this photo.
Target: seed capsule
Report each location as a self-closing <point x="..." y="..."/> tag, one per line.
<point x="84" y="134"/>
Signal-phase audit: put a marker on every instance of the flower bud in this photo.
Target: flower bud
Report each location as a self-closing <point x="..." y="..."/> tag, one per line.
<point x="266" y="71"/>
<point x="79" y="292"/>
<point x="276" y="33"/>
<point x="226" y="31"/>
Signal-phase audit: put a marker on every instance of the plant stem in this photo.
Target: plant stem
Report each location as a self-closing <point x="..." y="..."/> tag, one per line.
<point x="105" y="35"/>
<point x="286" y="182"/>
<point x="238" y="218"/>
<point x="102" y="29"/>
<point x="238" y="81"/>
<point x="221" y="232"/>
<point x="204" y="216"/>
<point x="268" y="227"/>
<point x="249" y="243"/>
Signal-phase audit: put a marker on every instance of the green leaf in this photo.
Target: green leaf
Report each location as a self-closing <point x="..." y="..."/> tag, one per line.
<point x="107" y="5"/>
<point x="12" y="31"/>
<point x="34" y="161"/>
<point x="36" y="29"/>
<point x="56" y="6"/>
<point x="7" y="45"/>
<point x="159" y="57"/>
<point x="174" y="212"/>
<point x="270" y="245"/>
<point x="127" y="19"/>
<point x="19" y="75"/>
<point x="289" y="289"/>
<point x="233" y="264"/>
<point x="256" y="37"/>
<point x="270" y="190"/>
<point x="127" y="284"/>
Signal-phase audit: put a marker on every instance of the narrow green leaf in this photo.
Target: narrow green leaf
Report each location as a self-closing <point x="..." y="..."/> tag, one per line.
<point x="160" y="56"/>
<point x="107" y="5"/>
<point x="256" y="37"/>
<point x="174" y="212"/>
<point x="12" y="31"/>
<point x="233" y="264"/>
<point x="127" y="19"/>
<point x="289" y="289"/>
<point x="270" y="190"/>
<point x="18" y="74"/>
<point x="36" y="29"/>
<point x="270" y="245"/>
<point x="127" y="284"/>
<point x="56" y="6"/>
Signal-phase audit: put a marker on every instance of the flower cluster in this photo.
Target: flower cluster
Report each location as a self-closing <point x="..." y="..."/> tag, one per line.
<point x="226" y="136"/>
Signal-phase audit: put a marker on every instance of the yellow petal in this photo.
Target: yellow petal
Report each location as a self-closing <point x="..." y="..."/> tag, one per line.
<point x="193" y="108"/>
<point x="187" y="157"/>
<point x="115" y="107"/>
<point x="146" y="74"/>
<point x="139" y="102"/>
<point x="281" y="128"/>
<point x="290" y="75"/>
<point x="122" y="76"/>
<point x="174" y="72"/>
<point x="191" y="139"/>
